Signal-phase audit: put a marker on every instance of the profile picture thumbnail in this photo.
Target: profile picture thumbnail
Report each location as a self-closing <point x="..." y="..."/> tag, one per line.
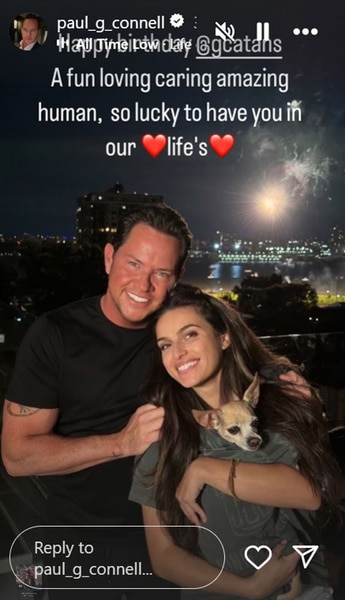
<point x="28" y="31"/>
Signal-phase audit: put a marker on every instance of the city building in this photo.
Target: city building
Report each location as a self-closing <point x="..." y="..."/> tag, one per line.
<point x="98" y="213"/>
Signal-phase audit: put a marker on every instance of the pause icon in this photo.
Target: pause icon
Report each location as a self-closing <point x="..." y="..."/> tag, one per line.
<point x="262" y="31"/>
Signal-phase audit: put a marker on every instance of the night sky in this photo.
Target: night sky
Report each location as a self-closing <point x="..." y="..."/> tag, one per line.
<point x="299" y="165"/>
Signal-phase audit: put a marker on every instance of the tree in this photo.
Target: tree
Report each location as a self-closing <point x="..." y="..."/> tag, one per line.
<point x="52" y="274"/>
<point x="260" y="296"/>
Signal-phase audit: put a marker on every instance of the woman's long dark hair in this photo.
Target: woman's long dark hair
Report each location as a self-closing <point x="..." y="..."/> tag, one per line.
<point x="281" y="408"/>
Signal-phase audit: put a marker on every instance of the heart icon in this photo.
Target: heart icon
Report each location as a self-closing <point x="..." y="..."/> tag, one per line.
<point x="261" y="564"/>
<point x="154" y="145"/>
<point x="221" y="145"/>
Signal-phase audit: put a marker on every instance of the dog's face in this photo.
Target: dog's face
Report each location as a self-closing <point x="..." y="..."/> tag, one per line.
<point x="236" y="420"/>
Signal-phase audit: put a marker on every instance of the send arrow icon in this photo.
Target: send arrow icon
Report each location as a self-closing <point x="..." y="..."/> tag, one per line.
<point x="306" y="553"/>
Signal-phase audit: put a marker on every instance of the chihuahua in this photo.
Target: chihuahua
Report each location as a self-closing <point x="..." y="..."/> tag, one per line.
<point x="235" y="421"/>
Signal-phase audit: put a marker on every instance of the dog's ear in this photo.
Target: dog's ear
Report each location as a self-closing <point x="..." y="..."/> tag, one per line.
<point x="210" y="419"/>
<point x="252" y="393"/>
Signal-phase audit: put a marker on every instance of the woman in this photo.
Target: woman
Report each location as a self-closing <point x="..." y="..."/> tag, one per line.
<point x="210" y="356"/>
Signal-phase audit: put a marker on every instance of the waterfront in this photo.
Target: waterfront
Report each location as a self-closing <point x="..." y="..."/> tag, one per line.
<point x="326" y="276"/>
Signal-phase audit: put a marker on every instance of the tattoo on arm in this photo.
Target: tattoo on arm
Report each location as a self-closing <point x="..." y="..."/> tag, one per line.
<point x="117" y="455"/>
<point x="20" y="410"/>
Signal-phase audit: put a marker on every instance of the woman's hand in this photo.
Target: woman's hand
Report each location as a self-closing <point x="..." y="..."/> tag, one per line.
<point x="271" y="484"/>
<point x="188" y="491"/>
<point x="187" y="570"/>
<point x="278" y="572"/>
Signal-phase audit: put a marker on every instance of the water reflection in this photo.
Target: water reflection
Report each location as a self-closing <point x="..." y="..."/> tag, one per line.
<point x="325" y="276"/>
<point x="236" y="272"/>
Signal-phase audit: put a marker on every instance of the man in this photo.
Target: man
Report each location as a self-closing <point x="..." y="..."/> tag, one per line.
<point x="29" y="32"/>
<point x="73" y="410"/>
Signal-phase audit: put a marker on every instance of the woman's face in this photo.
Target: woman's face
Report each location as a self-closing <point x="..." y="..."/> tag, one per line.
<point x="192" y="352"/>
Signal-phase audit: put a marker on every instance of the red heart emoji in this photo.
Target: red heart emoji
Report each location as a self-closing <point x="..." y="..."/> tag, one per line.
<point x="154" y="145"/>
<point x="221" y="145"/>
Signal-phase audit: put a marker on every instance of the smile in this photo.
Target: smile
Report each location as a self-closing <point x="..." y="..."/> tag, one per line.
<point x="137" y="298"/>
<point x="187" y="365"/>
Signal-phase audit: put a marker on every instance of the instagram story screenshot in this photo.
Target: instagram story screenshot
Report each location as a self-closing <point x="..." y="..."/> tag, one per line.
<point x="172" y="300"/>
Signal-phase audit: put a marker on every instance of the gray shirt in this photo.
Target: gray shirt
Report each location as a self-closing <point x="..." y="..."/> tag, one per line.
<point x="233" y="525"/>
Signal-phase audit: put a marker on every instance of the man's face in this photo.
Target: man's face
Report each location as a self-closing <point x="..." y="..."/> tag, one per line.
<point x="29" y="31"/>
<point x="141" y="272"/>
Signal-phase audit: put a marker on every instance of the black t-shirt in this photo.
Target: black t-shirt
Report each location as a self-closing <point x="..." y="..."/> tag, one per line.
<point x="76" y="360"/>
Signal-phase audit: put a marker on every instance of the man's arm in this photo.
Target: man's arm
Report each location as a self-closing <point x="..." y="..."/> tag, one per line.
<point x="29" y="445"/>
<point x="175" y="564"/>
